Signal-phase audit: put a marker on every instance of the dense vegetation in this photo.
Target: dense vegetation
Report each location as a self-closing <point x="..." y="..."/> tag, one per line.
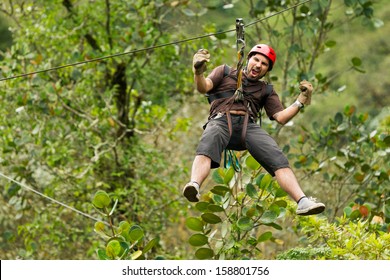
<point x="93" y="156"/>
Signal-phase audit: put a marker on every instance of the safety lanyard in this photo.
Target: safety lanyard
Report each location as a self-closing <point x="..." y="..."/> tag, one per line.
<point x="240" y="45"/>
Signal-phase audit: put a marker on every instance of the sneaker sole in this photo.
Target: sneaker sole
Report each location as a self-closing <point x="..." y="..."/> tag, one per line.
<point x="191" y="194"/>
<point x="311" y="211"/>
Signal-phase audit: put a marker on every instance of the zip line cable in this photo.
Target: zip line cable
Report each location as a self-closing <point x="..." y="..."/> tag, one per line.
<point x="112" y="56"/>
<point x="148" y="48"/>
<point x="51" y="199"/>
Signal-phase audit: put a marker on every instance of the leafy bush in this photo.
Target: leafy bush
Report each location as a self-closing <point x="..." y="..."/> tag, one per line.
<point x="348" y="157"/>
<point x="237" y="214"/>
<point x="127" y="241"/>
<point x="357" y="235"/>
<point x="306" y="253"/>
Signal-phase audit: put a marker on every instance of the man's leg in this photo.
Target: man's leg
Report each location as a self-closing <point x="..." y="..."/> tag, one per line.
<point x="288" y="182"/>
<point x="214" y="139"/>
<point x="200" y="170"/>
<point x="266" y="151"/>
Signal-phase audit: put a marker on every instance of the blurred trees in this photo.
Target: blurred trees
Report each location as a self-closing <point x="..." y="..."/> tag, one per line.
<point x="128" y="125"/>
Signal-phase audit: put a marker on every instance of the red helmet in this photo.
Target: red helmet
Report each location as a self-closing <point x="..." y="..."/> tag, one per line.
<point x="264" y="50"/>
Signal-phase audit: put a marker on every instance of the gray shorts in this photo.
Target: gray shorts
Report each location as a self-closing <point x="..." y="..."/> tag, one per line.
<point x="259" y="143"/>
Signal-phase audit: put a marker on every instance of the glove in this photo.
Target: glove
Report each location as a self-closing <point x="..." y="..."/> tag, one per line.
<point x="306" y="89"/>
<point x="199" y="61"/>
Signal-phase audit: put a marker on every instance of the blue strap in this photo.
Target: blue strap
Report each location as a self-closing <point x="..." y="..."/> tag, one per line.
<point x="230" y="159"/>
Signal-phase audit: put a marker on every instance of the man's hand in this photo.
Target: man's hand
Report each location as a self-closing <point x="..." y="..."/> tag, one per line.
<point x="306" y="89"/>
<point x="199" y="61"/>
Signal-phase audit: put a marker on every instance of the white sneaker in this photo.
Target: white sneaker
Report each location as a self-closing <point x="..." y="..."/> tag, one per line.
<point x="309" y="206"/>
<point x="191" y="192"/>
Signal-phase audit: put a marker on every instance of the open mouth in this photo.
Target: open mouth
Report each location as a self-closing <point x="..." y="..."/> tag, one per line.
<point x="255" y="72"/>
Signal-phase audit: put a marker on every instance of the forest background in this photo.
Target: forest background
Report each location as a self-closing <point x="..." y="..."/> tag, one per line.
<point x="94" y="156"/>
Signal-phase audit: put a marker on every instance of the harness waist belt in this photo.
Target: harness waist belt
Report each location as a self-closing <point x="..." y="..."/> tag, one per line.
<point x="237" y="113"/>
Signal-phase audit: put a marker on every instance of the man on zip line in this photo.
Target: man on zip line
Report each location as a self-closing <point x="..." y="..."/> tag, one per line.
<point x="232" y="122"/>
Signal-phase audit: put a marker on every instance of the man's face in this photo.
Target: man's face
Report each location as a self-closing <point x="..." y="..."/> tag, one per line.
<point x="257" y="66"/>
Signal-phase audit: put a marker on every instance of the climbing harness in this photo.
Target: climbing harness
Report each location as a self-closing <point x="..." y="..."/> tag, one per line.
<point x="230" y="158"/>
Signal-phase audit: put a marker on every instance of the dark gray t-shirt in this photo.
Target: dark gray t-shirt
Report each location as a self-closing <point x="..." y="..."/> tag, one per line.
<point x="255" y="93"/>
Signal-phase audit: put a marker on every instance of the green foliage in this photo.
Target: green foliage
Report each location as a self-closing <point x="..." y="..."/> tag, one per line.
<point x="347" y="156"/>
<point x="68" y="132"/>
<point x="307" y="253"/>
<point x="238" y="214"/>
<point x="123" y="242"/>
<point x="348" y="238"/>
<point x="118" y="125"/>
<point x="359" y="234"/>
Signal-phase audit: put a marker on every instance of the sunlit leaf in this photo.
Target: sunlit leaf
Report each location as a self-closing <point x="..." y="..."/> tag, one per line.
<point x="113" y="248"/>
<point x="252" y="163"/>
<point x="136" y="255"/>
<point x="265" y="236"/>
<point x="266" y="181"/>
<point x="99" y="226"/>
<point x="280" y="193"/>
<point x="136" y="233"/>
<point x="218" y="175"/>
<point x="228" y="175"/>
<point x="194" y="223"/>
<point x="101" y="199"/>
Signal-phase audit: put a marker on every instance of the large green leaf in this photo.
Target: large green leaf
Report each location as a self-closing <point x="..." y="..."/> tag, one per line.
<point x="211" y="218"/>
<point x="252" y="163"/>
<point x="220" y="190"/>
<point x="228" y="175"/>
<point x="279" y="192"/>
<point x="281" y="203"/>
<point x="251" y="191"/>
<point x="215" y="208"/>
<point x="194" y="224"/>
<point x="113" y="248"/>
<point x="202" y="206"/>
<point x="198" y="239"/>
<point x="268" y="217"/>
<point x="266" y="181"/>
<point x="204" y="253"/>
<point x="136" y="233"/>
<point x="101" y="199"/>
<point x="218" y="176"/>
<point x="265" y="236"/>
<point x="245" y="223"/>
